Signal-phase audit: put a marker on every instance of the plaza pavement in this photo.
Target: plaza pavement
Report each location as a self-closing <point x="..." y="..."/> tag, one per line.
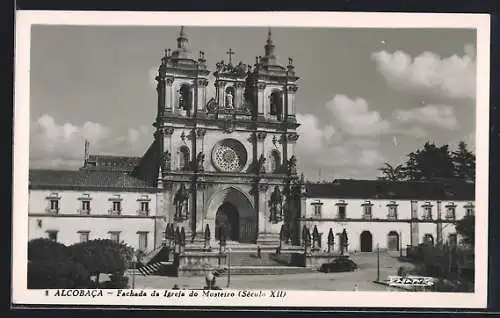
<point x="361" y="280"/>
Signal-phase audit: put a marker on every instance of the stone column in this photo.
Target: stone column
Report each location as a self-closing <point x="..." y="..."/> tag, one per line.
<point x="220" y="93"/>
<point x="261" y="100"/>
<point x="168" y="144"/>
<point x="292" y="141"/>
<point x="262" y="211"/>
<point x="202" y="88"/>
<point x="200" y="199"/>
<point x="439" y="225"/>
<point x="292" y="89"/>
<point x="239" y="92"/>
<point x="168" y="194"/>
<point x="169" y="101"/>
<point x="414" y="228"/>
<point x="261" y="136"/>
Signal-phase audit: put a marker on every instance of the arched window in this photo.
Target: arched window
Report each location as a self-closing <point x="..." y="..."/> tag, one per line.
<point x="276" y="104"/>
<point x="275" y="161"/>
<point x="185" y="100"/>
<point x="229" y="102"/>
<point x="184" y="158"/>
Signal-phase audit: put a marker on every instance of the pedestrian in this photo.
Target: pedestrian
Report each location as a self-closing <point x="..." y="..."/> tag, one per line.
<point x="258" y="251"/>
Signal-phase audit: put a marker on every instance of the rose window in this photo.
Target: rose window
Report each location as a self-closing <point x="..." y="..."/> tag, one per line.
<point x="229" y="156"/>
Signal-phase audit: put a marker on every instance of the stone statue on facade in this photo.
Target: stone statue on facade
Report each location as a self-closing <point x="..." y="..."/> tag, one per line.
<point x="181" y="202"/>
<point x="261" y="164"/>
<point x="276" y="203"/>
<point x="229" y="100"/>
<point x="200" y="158"/>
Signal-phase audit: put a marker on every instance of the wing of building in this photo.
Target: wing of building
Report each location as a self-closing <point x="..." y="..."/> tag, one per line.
<point x="229" y="163"/>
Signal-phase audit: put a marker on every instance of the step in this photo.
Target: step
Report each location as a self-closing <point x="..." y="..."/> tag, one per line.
<point x="268" y="270"/>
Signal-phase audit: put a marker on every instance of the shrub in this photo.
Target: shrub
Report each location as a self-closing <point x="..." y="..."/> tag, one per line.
<point x="101" y="256"/>
<point x="43" y="249"/>
<point x="57" y="274"/>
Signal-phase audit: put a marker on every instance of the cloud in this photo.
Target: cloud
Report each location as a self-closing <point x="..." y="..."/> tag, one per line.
<point x="354" y="116"/>
<point x="442" y="116"/>
<point x="323" y="147"/>
<point x="451" y="77"/>
<point x="61" y="145"/>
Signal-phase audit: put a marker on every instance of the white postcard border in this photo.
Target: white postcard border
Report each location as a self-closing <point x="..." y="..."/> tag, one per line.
<point x="24" y="21"/>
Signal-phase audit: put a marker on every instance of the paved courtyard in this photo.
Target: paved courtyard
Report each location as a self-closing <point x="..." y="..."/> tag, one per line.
<point x="361" y="279"/>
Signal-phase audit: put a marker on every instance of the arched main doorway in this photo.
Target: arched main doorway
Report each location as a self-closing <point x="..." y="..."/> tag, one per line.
<point x="366" y="241"/>
<point x="227" y="218"/>
<point x="232" y="209"/>
<point x="393" y="241"/>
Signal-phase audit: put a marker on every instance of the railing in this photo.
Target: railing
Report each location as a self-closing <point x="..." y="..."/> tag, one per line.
<point x="52" y="211"/>
<point x="84" y="211"/>
<point x="114" y="212"/>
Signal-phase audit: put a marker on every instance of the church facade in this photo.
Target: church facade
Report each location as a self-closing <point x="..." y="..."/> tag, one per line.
<point x="228" y="163"/>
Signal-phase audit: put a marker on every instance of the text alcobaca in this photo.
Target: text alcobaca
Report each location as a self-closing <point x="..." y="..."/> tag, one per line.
<point x="79" y="292"/>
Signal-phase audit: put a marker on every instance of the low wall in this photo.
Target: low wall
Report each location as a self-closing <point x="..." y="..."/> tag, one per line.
<point x="200" y="263"/>
<point x="315" y="260"/>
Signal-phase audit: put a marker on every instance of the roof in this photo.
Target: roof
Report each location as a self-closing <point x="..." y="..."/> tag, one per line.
<point x="86" y="179"/>
<point x="111" y="163"/>
<point x="382" y="189"/>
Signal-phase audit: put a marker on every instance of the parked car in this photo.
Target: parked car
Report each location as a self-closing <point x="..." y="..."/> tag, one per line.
<point x="341" y="264"/>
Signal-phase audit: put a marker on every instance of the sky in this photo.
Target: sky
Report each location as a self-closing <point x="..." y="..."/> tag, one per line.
<point x="366" y="96"/>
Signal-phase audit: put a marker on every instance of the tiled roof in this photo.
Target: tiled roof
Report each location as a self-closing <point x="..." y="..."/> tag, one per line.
<point x="111" y="163"/>
<point x="381" y="189"/>
<point x="85" y="179"/>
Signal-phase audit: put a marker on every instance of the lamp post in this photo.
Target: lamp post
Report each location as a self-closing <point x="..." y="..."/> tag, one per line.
<point x="378" y="263"/>
<point x="134" y="261"/>
<point x="400" y="244"/>
<point x="228" y="267"/>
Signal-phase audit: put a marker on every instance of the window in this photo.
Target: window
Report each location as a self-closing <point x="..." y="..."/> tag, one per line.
<point x="184" y="158"/>
<point x="84" y="236"/>
<point x="427" y="211"/>
<point x="317" y="208"/>
<point x="450" y="212"/>
<point x="393" y="210"/>
<point x="342" y="212"/>
<point x="116" y="208"/>
<point x="145" y="207"/>
<point x="143" y="240"/>
<point x="114" y="236"/>
<point x="85" y="207"/>
<point x="53" y="200"/>
<point x="367" y="210"/>
<point x="469" y="209"/>
<point x="52" y="235"/>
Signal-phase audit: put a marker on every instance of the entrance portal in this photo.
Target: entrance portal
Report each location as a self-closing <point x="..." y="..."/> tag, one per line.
<point x="227" y="218"/>
<point x="393" y="241"/>
<point x="366" y="241"/>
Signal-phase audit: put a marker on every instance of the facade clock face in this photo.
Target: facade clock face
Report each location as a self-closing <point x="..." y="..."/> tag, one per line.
<point x="229" y="156"/>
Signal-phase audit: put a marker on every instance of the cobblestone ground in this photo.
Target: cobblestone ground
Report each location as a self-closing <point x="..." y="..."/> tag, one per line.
<point x="361" y="279"/>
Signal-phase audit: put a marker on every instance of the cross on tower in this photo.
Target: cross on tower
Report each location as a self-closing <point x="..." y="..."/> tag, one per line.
<point x="230" y="53"/>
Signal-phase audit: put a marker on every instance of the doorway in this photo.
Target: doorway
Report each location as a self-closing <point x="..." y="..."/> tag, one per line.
<point x="393" y="241"/>
<point x="227" y="219"/>
<point x="366" y="241"/>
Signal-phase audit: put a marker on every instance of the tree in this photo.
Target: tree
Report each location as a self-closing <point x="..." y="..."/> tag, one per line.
<point x="430" y="163"/>
<point x="52" y="274"/>
<point x="466" y="229"/>
<point x="43" y="249"/>
<point x="391" y="173"/>
<point x="102" y="256"/>
<point x="464" y="162"/>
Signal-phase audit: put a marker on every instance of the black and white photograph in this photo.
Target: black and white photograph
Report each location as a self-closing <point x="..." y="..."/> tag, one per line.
<point x="291" y="159"/>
